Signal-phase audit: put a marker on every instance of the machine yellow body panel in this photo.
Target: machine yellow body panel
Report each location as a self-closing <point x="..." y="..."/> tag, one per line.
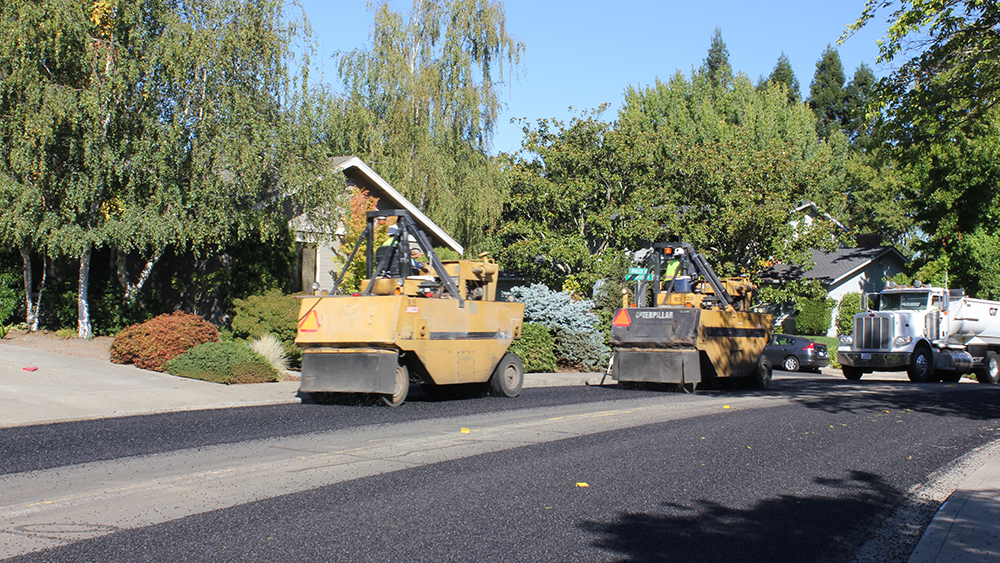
<point x="698" y="328"/>
<point x="454" y="344"/>
<point x="733" y="341"/>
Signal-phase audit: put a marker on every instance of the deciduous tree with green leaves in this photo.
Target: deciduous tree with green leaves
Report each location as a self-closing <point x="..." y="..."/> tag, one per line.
<point x="951" y="75"/>
<point x="952" y="190"/>
<point x="575" y="201"/>
<point x="422" y="102"/>
<point x="731" y="167"/>
<point x="147" y="124"/>
<point x="721" y="168"/>
<point x="938" y="107"/>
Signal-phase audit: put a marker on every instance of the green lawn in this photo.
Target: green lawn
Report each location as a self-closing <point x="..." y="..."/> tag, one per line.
<point x="831" y="343"/>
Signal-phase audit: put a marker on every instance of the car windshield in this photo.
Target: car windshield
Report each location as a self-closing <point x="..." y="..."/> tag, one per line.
<point x="903" y="301"/>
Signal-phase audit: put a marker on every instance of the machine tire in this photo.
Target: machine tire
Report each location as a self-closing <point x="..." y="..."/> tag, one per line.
<point x="921" y="365"/>
<point x="991" y="374"/>
<point x="852" y="373"/>
<point x="791" y="363"/>
<point x="401" y="388"/>
<point x="761" y="377"/>
<point x="508" y="377"/>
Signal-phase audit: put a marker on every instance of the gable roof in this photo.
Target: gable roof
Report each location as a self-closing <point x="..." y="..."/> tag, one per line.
<point x="832" y="267"/>
<point x="388" y="198"/>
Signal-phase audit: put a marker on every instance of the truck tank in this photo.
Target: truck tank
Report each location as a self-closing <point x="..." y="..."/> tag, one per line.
<point x="974" y="319"/>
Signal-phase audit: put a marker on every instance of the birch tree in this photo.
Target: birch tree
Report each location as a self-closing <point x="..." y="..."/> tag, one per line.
<point x="44" y="181"/>
<point x="139" y="125"/>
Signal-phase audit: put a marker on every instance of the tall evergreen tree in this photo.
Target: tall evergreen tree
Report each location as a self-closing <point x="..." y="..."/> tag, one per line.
<point x="716" y="65"/>
<point x="859" y="95"/>
<point x="826" y="93"/>
<point x="783" y="74"/>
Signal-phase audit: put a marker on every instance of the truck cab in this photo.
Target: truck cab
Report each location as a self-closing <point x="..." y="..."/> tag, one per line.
<point x="906" y="328"/>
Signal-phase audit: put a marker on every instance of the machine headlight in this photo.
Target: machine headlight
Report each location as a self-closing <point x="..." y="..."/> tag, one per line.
<point x="847" y="340"/>
<point x="902" y="341"/>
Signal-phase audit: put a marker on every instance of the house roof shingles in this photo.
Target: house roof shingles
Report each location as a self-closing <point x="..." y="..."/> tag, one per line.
<point x="831" y="267"/>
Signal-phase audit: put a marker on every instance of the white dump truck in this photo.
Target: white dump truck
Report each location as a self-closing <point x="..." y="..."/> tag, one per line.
<point x="930" y="332"/>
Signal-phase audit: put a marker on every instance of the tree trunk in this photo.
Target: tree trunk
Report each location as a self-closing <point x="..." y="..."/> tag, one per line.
<point x="83" y="305"/>
<point x="132" y="289"/>
<point x="32" y="306"/>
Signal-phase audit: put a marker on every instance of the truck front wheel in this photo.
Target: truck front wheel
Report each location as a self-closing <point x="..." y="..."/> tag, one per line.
<point x="991" y="373"/>
<point x="852" y="373"/>
<point x="921" y="365"/>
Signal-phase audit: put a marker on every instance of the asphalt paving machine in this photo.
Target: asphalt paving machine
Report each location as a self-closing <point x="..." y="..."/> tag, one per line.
<point x="699" y="329"/>
<point x="436" y="323"/>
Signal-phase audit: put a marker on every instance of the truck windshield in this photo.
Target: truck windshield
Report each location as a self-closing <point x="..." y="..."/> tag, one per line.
<point x="903" y="302"/>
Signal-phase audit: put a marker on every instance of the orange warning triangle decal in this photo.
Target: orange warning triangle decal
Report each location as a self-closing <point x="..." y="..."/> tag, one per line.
<point x="310" y="323"/>
<point x="622" y="319"/>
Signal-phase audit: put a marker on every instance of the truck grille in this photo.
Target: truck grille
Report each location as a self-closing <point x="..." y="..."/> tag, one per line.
<point x="872" y="333"/>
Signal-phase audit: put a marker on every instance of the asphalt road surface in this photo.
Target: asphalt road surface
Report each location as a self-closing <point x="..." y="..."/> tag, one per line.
<point x="810" y="470"/>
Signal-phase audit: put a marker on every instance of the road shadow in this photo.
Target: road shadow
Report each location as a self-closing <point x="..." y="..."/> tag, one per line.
<point x="786" y="528"/>
<point x="964" y="400"/>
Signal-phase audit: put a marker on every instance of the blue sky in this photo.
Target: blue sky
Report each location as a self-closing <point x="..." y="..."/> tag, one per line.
<point x="584" y="53"/>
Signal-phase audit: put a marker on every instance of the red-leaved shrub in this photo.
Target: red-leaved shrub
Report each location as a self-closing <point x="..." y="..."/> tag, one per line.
<point x="151" y="344"/>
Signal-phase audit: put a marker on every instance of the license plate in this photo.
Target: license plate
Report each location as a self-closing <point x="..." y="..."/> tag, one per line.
<point x="866" y="356"/>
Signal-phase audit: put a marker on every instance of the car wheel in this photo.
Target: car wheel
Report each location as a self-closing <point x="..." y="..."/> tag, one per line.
<point x="791" y="363"/>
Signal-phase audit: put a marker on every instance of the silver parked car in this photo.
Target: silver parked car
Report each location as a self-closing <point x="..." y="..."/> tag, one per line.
<point x="792" y="353"/>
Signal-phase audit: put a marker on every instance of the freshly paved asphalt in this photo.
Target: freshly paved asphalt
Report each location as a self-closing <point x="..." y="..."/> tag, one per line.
<point x="66" y="388"/>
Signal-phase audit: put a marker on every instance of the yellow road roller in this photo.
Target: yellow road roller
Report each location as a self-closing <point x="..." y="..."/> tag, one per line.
<point x="435" y="323"/>
<point x="698" y="329"/>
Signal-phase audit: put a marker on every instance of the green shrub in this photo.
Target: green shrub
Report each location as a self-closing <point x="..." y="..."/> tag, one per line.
<point x="581" y="350"/>
<point x="271" y="313"/>
<point x="152" y="344"/>
<point x="223" y="362"/>
<point x="813" y="316"/>
<point x="581" y="344"/>
<point x="68" y="332"/>
<point x="554" y="309"/>
<point x="850" y="304"/>
<point x="535" y="348"/>
<point x="607" y="300"/>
